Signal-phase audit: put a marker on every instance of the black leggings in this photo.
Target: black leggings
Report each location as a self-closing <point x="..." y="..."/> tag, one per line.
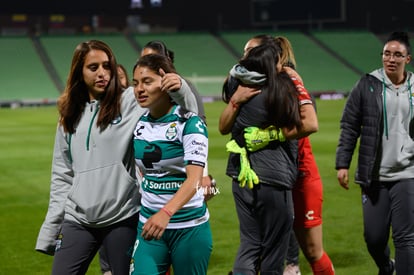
<point x="265" y="218"/>
<point x="77" y="245"/>
<point x="292" y="256"/>
<point x="390" y="205"/>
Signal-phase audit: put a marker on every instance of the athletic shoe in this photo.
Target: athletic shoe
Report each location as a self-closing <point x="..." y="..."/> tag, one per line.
<point x="291" y="269"/>
<point x="389" y="270"/>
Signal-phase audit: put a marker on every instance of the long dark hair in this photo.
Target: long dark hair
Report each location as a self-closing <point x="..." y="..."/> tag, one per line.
<point x="230" y="84"/>
<point x="71" y="103"/>
<point x="160" y="48"/>
<point x="281" y="95"/>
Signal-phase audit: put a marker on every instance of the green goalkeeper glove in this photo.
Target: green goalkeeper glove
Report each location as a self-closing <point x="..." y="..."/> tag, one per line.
<point x="257" y="138"/>
<point x="247" y="174"/>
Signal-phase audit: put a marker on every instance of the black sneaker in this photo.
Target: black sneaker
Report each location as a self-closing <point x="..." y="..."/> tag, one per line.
<point x="389" y="270"/>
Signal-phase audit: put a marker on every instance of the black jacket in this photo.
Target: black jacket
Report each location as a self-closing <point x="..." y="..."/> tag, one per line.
<point x="277" y="163"/>
<point x="362" y="117"/>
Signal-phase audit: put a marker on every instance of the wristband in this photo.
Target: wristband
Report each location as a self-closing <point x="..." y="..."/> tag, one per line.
<point x="166" y="211"/>
<point x="234" y="104"/>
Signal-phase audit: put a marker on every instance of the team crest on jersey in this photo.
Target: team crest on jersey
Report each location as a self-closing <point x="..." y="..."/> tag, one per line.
<point x="171" y="131"/>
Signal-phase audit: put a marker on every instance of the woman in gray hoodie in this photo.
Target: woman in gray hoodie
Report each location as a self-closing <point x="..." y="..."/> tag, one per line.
<point x="379" y="113"/>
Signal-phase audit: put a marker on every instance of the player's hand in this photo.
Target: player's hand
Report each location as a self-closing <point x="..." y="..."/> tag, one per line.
<point x="343" y="178"/>
<point x="209" y="185"/>
<point x="155" y="226"/>
<point x="170" y="82"/>
<point x="257" y="138"/>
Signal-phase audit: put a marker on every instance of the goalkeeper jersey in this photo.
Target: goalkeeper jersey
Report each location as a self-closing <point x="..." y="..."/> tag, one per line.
<point x="163" y="148"/>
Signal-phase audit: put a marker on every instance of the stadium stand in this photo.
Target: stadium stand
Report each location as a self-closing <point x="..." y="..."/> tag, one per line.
<point x="24" y="78"/>
<point x="321" y="71"/>
<point x="360" y="48"/>
<point x="330" y="62"/>
<point x="199" y="57"/>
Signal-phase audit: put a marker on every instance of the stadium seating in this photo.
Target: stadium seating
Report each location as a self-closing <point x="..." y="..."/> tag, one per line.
<point x="23" y="75"/>
<point x="328" y="61"/>
<point x="320" y="70"/>
<point x="199" y="57"/>
<point x="360" y="48"/>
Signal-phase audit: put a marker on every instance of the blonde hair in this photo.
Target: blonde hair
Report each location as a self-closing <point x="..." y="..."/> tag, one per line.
<point x="287" y="58"/>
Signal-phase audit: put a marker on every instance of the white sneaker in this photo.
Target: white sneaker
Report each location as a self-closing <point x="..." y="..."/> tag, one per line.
<point x="291" y="269"/>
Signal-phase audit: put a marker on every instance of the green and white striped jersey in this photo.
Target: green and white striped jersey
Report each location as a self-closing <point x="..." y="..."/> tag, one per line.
<point x="163" y="148"/>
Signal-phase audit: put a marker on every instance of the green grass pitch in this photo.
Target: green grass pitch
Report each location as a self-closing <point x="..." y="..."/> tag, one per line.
<point x="26" y="142"/>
